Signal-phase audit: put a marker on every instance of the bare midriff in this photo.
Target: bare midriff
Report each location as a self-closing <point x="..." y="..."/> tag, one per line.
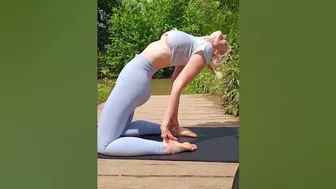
<point x="158" y="53"/>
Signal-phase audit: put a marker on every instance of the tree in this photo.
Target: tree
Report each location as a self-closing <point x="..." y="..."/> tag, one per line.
<point x="104" y="13"/>
<point x="135" y="24"/>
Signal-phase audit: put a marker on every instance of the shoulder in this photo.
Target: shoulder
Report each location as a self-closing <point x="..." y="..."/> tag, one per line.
<point x="206" y="49"/>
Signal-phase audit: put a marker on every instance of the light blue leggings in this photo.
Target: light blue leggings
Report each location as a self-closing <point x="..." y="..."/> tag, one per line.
<point x="117" y="134"/>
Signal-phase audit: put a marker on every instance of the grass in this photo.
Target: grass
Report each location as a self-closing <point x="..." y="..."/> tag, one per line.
<point x="104" y="89"/>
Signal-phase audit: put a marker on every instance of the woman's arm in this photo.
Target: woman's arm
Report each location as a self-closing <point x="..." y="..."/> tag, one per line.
<point x="191" y="70"/>
<point x="177" y="72"/>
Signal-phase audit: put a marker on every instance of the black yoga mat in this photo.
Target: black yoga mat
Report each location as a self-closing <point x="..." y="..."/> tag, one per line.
<point x="235" y="184"/>
<point x="214" y="144"/>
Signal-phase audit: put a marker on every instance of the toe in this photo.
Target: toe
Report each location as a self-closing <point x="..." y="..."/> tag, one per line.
<point x="192" y="134"/>
<point x="187" y="132"/>
<point x="189" y="146"/>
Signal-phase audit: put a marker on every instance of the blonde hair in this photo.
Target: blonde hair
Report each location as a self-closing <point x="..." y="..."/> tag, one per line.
<point x="219" y="60"/>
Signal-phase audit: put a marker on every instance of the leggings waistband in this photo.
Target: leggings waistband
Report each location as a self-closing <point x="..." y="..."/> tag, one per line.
<point x="146" y="63"/>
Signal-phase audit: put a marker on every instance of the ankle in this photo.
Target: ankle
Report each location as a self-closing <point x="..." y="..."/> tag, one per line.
<point x="167" y="148"/>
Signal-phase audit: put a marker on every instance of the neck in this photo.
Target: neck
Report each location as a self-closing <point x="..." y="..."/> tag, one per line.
<point x="211" y="41"/>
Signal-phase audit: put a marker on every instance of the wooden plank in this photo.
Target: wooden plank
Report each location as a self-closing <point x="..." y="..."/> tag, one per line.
<point x="195" y="110"/>
<point x="112" y="167"/>
<point x="112" y="182"/>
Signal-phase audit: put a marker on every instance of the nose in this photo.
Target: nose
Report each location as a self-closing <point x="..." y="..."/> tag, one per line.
<point x="224" y="37"/>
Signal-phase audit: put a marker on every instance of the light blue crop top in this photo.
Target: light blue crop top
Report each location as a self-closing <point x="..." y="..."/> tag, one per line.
<point x="183" y="45"/>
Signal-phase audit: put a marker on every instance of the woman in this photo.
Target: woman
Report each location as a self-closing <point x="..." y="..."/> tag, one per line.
<point x="189" y="55"/>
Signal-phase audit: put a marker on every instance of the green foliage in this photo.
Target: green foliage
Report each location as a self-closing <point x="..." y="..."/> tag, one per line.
<point x="230" y="86"/>
<point x="203" y="83"/>
<point x="206" y="17"/>
<point x="104" y="89"/>
<point x="102" y="68"/>
<point x="103" y="15"/>
<point x="133" y="24"/>
<point x="203" y="17"/>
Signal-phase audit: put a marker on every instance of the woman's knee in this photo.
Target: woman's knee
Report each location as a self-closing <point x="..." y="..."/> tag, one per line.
<point x="102" y="145"/>
<point x="101" y="149"/>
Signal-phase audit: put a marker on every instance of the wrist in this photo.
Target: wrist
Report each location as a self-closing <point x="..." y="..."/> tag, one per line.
<point x="169" y="118"/>
<point x="166" y="121"/>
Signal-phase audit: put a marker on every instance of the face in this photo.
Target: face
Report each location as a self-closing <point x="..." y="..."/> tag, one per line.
<point x="220" y="44"/>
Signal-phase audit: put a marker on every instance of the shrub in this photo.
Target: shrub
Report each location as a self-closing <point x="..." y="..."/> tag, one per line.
<point x="136" y="23"/>
<point x="206" y="17"/>
<point x="104" y="89"/>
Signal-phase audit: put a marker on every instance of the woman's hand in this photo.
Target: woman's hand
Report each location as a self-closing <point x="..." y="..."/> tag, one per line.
<point x="174" y="127"/>
<point x="170" y="124"/>
<point x="170" y="129"/>
<point x="166" y="134"/>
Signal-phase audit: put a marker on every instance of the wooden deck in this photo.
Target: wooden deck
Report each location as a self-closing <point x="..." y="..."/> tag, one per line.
<point x="195" y="110"/>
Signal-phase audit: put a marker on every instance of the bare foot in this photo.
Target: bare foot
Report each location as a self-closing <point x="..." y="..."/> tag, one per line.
<point x="174" y="147"/>
<point x="186" y="132"/>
